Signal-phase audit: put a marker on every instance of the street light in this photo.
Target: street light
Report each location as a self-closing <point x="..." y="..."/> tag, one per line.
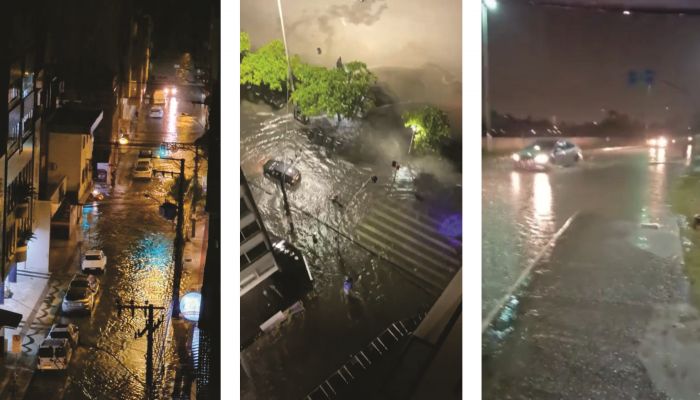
<point x="486" y="6"/>
<point x="123" y="140"/>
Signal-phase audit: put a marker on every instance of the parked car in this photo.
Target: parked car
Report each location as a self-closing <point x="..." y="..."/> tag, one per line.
<point x="543" y="154"/>
<point x="277" y="170"/>
<point x="85" y="281"/>
<point x="65" y="331"/>
<point x="78" y="300"/>
<point x="54" y="354"/>
<point x="156" y="112"/>
<point x="94" y="260"/>
<point x="143" y="169"/>
<point x="145" y="153"/>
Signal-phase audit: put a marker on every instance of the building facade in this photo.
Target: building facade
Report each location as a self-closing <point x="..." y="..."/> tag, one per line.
<point x="20" y="66"/>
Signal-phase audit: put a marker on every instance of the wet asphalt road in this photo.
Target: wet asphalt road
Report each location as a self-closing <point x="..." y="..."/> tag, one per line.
<point x="590" y="321"/>
<point x="523" y="210"/>
<point x="379" y="229"/>
<point x="109" y="362"/>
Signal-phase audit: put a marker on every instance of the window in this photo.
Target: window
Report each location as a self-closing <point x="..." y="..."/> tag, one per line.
<point x="244" y="208"/>
<point x="244" y="261"/>
<point x="13" y="129"/>
<point x="250" y="230"/>
<point x="257" y="251"/>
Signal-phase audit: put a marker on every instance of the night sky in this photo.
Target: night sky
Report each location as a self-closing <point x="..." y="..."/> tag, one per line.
<point x="571" y="63"/>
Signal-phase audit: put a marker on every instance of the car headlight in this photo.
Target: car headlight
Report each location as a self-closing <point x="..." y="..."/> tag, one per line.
<point x="651" y="142"/>
<point x="662" y="142"/>
<point x="516" y="157"/>
<point x="541" y="159"/>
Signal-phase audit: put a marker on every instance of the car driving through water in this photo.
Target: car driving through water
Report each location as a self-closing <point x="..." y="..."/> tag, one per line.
<point x="541" y="155"/>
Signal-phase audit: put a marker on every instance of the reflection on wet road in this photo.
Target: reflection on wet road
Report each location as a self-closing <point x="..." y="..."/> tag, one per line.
<point x="341" y="241"/>
<point x="109" y="362"/>
<point x="522" y="210"/>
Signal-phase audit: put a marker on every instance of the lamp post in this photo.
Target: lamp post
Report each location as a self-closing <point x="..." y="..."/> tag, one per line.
<point x="179" y="238"/>
<point x="486" y="6"/>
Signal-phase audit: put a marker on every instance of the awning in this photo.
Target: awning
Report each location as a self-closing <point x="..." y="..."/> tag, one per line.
<point x="9" y="318"/>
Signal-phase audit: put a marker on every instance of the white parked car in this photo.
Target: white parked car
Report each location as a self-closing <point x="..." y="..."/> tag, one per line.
<point x="156" y="112"/>
<point x="65" y="331"/>
<point x="143" y="169"/>
<point x="94" y="260"/>
<point x="54" y="354"/>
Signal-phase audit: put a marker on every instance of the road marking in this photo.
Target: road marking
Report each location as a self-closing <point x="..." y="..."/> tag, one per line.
<point x="495" y="310"/>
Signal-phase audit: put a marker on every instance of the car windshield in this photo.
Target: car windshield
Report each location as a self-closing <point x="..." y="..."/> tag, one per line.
<point x="142" y="166"/>
<point x="60" y="352"/>
<point x="59" y="335"/>
<point x="76" y="294"/>
<point x="541" y="145"/>
<point x="93" y="257"/>
<point x="79" y="283"/>
<point x="46" y="352"/>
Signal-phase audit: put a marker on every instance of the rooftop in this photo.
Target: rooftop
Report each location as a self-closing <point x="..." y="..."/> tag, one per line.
<point x="73" y="120"/>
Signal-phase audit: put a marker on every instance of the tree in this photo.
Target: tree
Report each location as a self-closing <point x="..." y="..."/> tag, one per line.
<point x="245" y="43"/>
<point x="265" y="66"/>
<point x="430" y="128"/>
<point x="311" y="91"/>
<point x="343" y="91"/>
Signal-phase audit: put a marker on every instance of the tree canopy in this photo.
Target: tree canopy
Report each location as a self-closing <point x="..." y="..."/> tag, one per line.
<point x="245" y="42"/>
<point x="430" y="126"/>
<point x="343" y="92"/>
<point x="265" y="66"/>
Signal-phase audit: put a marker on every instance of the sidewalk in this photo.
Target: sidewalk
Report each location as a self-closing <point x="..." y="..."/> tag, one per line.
<point x="597" y="319"/>
<point x="182" y="373"/>
<point x="37" y="296"/>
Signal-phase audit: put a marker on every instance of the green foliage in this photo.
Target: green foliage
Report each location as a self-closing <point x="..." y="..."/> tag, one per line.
<point x="430" y="126"/>
<point x="266" y="66"/>
<point x="340" y="92"/>
<point x="245" y="42"/>
<point x="312" y="86"/>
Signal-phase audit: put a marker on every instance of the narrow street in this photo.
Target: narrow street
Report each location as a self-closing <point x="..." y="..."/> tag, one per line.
<point x="138" y="244"/>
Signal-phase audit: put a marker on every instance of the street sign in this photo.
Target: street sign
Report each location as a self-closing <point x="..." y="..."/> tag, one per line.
<point x="16" y="344"/>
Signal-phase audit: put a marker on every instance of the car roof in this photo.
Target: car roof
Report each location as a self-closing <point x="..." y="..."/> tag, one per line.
<point x="53" y="342"/>
<point x="93" y="252"/>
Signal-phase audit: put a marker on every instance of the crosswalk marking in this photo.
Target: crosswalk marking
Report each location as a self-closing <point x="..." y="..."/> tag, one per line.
<point x="411" y="240"/>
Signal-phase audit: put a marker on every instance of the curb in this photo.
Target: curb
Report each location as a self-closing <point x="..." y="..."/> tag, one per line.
<point x="495" y="311"/>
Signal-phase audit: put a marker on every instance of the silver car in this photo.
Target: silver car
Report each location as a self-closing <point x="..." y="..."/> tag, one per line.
<point x="78" y="300"/>
<point x="543" y="154"/>
<point x="54" y="354"/>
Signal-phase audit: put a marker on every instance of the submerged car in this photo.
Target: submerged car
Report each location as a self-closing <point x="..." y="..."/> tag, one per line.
<point x="80" y="300"/>
<point x="543" y="154"/>
<point x="85" y="281"/>
<point x="279" y="170"/>
<point x="143" y="169"/>
<point x="54" y="354"/>
<point x="156" y="112"/>
<point x="65" y="331"/>
<point x="94" y="260"/>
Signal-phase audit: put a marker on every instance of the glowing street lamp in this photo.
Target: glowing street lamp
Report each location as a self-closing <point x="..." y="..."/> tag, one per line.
<point x="123" y="140"/>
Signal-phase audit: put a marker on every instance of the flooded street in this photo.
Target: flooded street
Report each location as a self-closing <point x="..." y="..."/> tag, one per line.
<point x="523" y="210"/>
<point x="342" y="241"/>
<point x="138" y="243"/>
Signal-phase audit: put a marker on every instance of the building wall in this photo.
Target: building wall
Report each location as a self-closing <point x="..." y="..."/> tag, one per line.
<point x="65" y="158"/>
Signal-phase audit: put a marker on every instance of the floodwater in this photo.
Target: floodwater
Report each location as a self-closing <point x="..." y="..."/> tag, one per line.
<point x="523" y="210"/>
<point x="291" y="361"/>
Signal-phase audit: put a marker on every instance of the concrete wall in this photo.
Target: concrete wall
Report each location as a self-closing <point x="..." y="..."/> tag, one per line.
<point x="38" y="248"/>
<point x="498" y="146"/>
<point x="70" y="155"/>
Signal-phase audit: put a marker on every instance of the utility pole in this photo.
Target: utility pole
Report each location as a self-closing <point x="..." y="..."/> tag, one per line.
<point x="287" y="210"/>
<point x="151" y="326"/>
<point x="179" y="237"/>
<point x="195" y="194"/>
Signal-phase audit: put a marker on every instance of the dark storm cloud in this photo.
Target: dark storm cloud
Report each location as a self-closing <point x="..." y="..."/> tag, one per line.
<point x="571" y="63"/>
<point x="357" y="13"/>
